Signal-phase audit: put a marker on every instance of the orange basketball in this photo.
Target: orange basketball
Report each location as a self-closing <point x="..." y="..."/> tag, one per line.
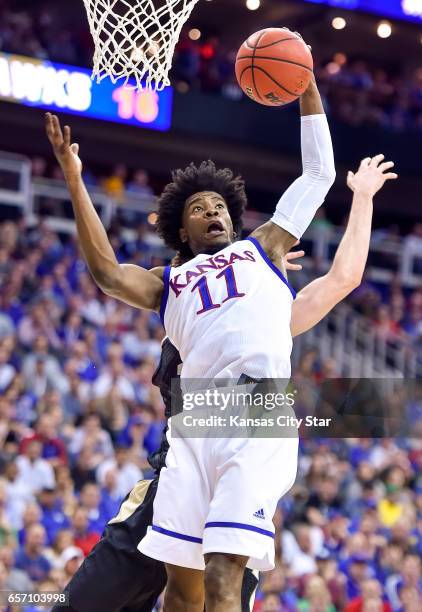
<point x="274" y="66"/>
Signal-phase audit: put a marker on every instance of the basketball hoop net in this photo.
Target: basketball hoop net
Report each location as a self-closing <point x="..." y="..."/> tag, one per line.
<point x="136" y="38"/>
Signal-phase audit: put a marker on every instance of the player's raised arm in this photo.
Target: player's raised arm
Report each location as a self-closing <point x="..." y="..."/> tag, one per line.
<point x="129" y="283"/>
<point x="298" y="205"/>
<point x="316" y="300"/>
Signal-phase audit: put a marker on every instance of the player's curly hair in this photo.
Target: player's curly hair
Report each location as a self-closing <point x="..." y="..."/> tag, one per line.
<point x="192" y="180"/>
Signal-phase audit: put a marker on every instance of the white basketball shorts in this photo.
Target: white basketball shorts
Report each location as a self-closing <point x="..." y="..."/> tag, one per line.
<point x="220" y="495"/>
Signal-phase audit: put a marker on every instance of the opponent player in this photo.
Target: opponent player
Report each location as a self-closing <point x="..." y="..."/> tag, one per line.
<point x="207" y="226"/>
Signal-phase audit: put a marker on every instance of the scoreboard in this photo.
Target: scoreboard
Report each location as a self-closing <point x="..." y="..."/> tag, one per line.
<point x="70" y="89"/>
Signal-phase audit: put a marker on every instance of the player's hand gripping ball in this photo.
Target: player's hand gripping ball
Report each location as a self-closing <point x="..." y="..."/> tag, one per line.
<point x="274" y="66"/>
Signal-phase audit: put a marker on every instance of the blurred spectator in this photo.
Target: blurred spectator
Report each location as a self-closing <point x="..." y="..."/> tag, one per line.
<point x="90" y="501"/>
<point x="274" y="584"/>
<point x="7" y="371"/>
<point x="390" y="509"/>
<point x="370" y="599"/>
<point x="85" y="537"/>
<point x="91" y="308"/>
<point x="7" y="535"/>
<point x="34" y="471"/>
<point x="137" y="344"/>
<point x="115" y="184"/>
<point x="317" y="596"/>
<point x="127" y="472"/>
<point x="357" y="570"/>
<point x="140" y="184"/>
<point x="16" y="579"/>
<point x="36" y="330"/>
<point x="62" y="541"/>
<point x="53" y="449"/>
<point x="81" y="364"/>
<point x="111" y="496"/>
<point x="75" y="399"/>
<point x="410" y="577"/>
<point x="83" y="470"/>
<point x="115" y="374"/>
<point x="271" y="603"/>
<point x="19" y="495"/>
<point x="31" y="516"/>
<point x="41" y="370"/>
<point x="53" y="517"/>
<point x="324" y="501"/>
<point x="301" y="558"/>
<point x="30" y="557"/>
<point x="70" y="561"/>
<point x="134" y="437"/>
<point x="90" y="434"/>
<point x="38" y="167"/>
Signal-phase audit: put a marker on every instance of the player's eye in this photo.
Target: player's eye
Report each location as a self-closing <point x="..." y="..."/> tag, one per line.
<point x="197" y="208"/>
<point x="220" y="205"/>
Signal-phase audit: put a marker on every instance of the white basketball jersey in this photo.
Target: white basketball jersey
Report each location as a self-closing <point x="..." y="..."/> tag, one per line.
<point x="229" y="314"/>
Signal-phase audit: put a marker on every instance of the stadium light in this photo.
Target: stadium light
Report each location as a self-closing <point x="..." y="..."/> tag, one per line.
<point x="194" y="34"/>
<point x="252" y="5"/>
<point x="339" y="23"/>
<point x="152" y="218"/>
<point x="384" y="29"/>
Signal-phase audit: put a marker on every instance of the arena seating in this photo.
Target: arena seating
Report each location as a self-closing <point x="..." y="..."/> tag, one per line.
<point x="78" y="412"/>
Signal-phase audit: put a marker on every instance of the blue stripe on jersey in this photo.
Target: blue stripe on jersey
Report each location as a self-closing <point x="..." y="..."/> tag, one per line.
<point x="165" y="296"/>
<point x="271" y="265"/>
<point x="264" y="532"/>
<point x="174" y="534"/>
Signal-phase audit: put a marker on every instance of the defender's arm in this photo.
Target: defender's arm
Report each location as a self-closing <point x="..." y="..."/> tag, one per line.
<point x="298" y="205"/>
<point x="319" y="297"/>
<point x="131" y="284"/>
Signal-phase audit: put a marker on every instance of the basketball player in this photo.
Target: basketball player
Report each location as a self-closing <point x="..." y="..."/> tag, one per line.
<point x="125" y="579"/>
<point x="211" y="300"/>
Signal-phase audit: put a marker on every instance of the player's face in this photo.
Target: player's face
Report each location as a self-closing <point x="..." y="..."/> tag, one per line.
<point x="207" y="225"/>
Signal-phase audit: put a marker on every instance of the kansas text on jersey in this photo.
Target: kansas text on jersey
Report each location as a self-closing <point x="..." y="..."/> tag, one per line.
<point x="229" y="314"/>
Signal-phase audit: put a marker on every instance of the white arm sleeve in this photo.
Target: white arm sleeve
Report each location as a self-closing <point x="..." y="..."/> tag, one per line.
<point x="298" y="205"/>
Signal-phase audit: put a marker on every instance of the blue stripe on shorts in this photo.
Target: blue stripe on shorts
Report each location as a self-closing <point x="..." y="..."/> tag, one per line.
<point x="241" y="526"/>
<point x="174" y="534"/>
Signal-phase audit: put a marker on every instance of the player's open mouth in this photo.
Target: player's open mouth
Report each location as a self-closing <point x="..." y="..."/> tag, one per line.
<point x="215" y="229"/>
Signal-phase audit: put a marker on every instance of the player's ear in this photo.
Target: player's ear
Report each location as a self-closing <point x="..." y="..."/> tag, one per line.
<point x="183" y="234"/>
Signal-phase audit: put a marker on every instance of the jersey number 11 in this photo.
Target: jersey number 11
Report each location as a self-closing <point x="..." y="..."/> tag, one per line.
<point x="204" y="291"/>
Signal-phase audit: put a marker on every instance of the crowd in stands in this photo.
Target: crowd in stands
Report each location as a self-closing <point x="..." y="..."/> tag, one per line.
<point x="355" y="91"/>
<point x="360" y="94"/>
<point x="118" y="182"/>
<point x="79" y="415"/>
<point x="394" y="311"/>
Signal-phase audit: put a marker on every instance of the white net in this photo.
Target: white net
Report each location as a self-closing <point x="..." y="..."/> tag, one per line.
<point x="135" y="39"/>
